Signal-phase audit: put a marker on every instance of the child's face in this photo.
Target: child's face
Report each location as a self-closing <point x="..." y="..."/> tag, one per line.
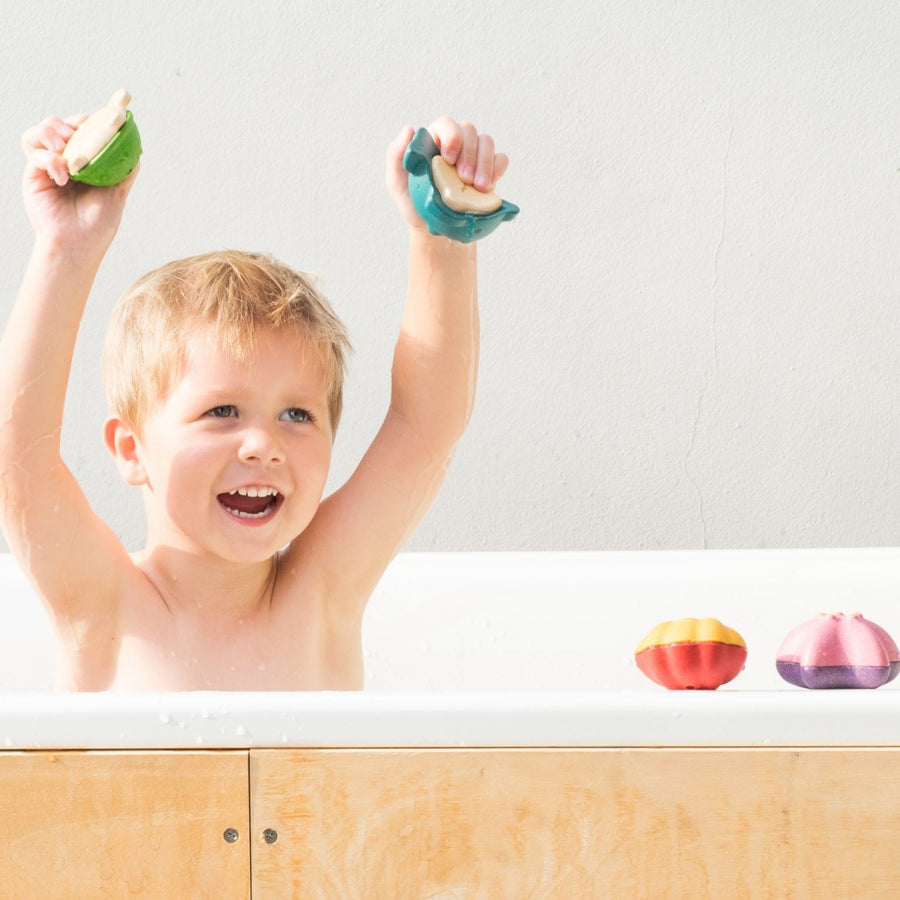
<point x="229" y="430"/>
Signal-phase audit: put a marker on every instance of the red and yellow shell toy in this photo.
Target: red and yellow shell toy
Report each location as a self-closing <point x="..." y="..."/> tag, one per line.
<point x="691" y="654"/>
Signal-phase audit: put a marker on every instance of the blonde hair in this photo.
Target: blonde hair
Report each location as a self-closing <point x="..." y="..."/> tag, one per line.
<point x="233" y="294"/>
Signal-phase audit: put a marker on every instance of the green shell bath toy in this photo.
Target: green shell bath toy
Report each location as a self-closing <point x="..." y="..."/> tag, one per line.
<point x="448" y="206"/>
<point x="106" y="147"/>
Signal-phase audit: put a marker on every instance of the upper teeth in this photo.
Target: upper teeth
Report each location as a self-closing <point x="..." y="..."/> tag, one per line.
<point x="255" y="492"/>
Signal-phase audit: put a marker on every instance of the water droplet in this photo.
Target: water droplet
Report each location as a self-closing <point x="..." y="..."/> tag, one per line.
<point x="165" y="718"/>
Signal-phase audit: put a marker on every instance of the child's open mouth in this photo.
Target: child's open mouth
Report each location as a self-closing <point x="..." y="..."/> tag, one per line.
<point x="251" y="503"/>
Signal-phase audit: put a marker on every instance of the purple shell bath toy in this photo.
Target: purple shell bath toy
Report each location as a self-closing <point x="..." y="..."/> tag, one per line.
<point x="837" y="651"/>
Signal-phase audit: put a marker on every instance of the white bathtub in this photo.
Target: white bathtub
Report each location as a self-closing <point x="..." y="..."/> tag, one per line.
<point x="507" y="650"/>
<point x="506" y="747"/>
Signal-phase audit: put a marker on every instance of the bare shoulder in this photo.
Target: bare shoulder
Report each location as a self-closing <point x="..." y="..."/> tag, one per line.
<point x="93" y="628"/>
<point x="358" y="529"/>
<point x="75" y="562"/>
<point x="305" y="594"/>
<point x="300" y="593"/>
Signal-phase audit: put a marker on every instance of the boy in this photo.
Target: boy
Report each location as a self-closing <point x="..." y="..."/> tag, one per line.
<point x="248" y="580"/>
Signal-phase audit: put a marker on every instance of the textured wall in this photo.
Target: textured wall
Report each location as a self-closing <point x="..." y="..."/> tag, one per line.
<point x="689" y="335"/>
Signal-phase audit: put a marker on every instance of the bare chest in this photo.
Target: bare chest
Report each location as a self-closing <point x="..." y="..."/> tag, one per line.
<point x="297" y="648"/>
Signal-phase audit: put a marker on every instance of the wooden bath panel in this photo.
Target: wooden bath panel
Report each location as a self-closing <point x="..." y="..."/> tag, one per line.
<point x="452" y="824"/>
<point x="575" y="824"/>
<point x="111" y="825"/>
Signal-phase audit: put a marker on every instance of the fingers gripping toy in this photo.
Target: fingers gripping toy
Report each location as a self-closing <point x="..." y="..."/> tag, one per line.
<point x="106" y="147"/>
<point x="691" y="654"/>
<point x="447" y="205"/>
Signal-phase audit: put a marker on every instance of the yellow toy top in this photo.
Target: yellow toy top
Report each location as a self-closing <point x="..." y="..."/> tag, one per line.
<point x="683" y="631"/>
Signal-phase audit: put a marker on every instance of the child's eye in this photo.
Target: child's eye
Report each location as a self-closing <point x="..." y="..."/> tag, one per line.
<point x="296" y="415"/>
<point x="222" y="412"/>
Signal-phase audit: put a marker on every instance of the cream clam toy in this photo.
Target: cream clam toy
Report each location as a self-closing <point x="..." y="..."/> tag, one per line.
<point x="106" y="147"/>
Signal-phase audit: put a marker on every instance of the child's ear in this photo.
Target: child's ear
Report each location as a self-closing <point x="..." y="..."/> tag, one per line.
<point x="122" y="443"/>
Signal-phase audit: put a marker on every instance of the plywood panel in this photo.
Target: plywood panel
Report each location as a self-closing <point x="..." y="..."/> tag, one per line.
<point x="113" y="825"/>
<point x="529" y="824"/>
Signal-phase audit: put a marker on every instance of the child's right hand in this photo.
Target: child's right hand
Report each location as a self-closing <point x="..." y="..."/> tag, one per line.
<point x="68" y="215"/>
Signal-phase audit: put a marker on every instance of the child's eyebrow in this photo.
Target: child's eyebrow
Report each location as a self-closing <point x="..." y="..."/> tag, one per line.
<point x="216" y="397"/>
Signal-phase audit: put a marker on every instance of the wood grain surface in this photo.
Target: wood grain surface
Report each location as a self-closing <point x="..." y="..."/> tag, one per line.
<point x="118" y="824"/>
<point x="573" y="825"/>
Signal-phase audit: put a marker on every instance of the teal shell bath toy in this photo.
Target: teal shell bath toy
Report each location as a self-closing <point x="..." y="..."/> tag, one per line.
<point x="448" y="206"/>
<point x="106" y="146"/>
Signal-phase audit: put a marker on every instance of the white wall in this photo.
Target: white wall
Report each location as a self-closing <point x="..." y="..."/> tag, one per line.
<point x="689" y="334"/>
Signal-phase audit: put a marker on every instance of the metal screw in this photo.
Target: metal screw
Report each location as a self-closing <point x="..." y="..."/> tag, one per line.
<point x="231" y="835"/>
<point x="270" y="835"/>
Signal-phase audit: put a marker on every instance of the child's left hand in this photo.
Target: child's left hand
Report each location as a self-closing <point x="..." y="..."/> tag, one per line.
<point x="461" y="145"/>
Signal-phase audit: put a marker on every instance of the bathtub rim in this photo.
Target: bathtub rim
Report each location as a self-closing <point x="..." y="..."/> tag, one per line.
<point x="243" y="720"/>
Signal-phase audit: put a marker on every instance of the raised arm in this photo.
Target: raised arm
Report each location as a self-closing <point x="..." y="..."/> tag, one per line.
<point x="362" y="526"/>
<point x="47" y="520"/>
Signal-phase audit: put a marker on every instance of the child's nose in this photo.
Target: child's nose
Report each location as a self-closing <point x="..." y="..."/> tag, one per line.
<point x="261" y="443"/>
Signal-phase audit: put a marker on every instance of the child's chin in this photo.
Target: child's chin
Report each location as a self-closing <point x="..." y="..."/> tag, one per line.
<point x="251" y="547"/>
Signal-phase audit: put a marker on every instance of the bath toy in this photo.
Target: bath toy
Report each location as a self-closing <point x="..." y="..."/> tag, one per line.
<point x="448" y="206"/>
<point x="690" y="654"/>
<point x="837" y="651"/>
<point x="106" y="146"/>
